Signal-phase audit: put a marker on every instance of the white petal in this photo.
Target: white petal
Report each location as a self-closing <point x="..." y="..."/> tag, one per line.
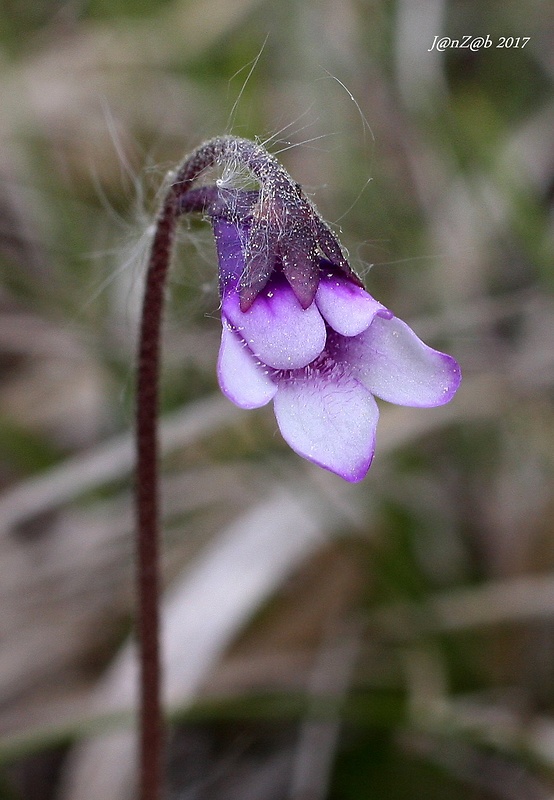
<point x="394" y="364"/>
<point x="329" y="418"/>
<point x="276" y="328"/>
<point x="242" y="379"/>
<point x="348" y="308"/>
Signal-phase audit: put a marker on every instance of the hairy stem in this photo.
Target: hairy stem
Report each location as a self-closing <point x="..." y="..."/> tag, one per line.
<point x="152" y="734"/>
<point x="151" y="725"/>
<point x="180" y="198"/>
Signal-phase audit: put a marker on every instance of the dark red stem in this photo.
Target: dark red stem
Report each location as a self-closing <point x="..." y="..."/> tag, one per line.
<point x="151" y="722"/>
<point x="152" y="731"/>
<point x="179" y="199"/>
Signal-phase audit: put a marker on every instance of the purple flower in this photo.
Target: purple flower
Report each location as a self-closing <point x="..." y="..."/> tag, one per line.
<point x="323" y="360"/>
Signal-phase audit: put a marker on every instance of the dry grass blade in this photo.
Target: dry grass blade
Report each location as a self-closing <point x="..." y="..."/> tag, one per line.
<point x="530" y="597"/>
<point x="211" y="603"/>
<point x="318" y="741"/>
<point x="110" y="461"/>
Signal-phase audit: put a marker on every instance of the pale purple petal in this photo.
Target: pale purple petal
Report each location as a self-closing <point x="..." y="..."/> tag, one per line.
<point x="394" y="364"/>
<point x="329" y="418"/>
<point x="241" y="379"/>
<point x="276" y="328"/>
<point x="348" y="308"/>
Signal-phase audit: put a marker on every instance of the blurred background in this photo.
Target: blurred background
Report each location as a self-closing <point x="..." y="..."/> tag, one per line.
<point x="392" y="639"/>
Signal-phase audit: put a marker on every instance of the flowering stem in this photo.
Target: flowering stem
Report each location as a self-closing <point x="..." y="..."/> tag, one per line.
<point x="151" y="726"/>
<point x="319" y="366"/>
<point x="278" y="193"/>
<point x="148" y="624"/>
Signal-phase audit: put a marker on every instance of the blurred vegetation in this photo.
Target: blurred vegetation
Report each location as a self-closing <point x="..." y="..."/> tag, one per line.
<point x="400" y="641"/>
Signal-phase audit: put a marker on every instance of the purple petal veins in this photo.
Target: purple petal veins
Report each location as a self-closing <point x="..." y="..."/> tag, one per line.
<point x="394" y="364"/>
<point x="347" y="308"/>
<point x="317" y="344"/>
<point x="329" y="418"/>
<point x="276" y="328"/>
